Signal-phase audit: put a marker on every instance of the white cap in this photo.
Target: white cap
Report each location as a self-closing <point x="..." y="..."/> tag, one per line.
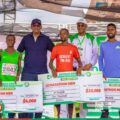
<point x="82" y="21"/>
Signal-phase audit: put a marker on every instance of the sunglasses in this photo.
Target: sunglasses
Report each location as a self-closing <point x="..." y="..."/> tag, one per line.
<point x="81" y="25"/>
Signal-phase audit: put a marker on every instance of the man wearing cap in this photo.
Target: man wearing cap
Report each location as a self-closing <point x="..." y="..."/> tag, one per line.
<point x="88" y="50"/>
<point x="35" y="45"/>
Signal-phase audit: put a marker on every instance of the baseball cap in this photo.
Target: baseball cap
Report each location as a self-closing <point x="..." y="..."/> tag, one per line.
<point x="82" y="21"/>
<point x="34" y="21"/>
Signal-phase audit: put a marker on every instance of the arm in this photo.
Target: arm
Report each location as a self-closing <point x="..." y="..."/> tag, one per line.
<point x="54" y="73"/>
<point x="77" y="57"/>
<point x="94" y="57"/>
<point x="101" y="61"/>
<point x="94" y="53"/>
<point x="21" y="46"/>
<point x="19" y="67"/>
<point x="79" y="66"/>
<point x="101" y="57"/>
<point x="53" y="56"/>
<point x="50" y="44"/>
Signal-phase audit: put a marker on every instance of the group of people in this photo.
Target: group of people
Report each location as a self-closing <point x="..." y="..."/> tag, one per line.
<point x="78" y="52"/>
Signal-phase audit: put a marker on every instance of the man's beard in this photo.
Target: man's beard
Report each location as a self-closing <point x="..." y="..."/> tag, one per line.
<point x="111" y="36"/>
<point x="11" y="46"/>
<point x="63" y="40"/>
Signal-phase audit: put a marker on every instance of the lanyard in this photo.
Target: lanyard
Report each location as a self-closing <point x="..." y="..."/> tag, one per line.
<point x="80" y="43"/>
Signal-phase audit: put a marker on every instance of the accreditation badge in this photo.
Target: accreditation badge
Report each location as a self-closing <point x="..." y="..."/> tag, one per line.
<point x="9" y="69"/>
<point x="80" y="49"/>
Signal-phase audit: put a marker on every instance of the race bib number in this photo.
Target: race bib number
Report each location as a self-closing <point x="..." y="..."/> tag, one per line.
<point x="9" y="69"/>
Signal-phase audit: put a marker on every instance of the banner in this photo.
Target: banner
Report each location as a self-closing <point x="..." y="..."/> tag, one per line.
<point x="67" y="89"/>
<point x="112" y="96"/>
<point x="57" y="91"/>
<point x="92" y="87"/>
<point x="22" y="96"/>
<point x="112" y="93"/>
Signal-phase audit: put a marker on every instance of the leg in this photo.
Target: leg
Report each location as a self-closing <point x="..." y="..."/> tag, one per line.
<point x="27" y="77"/>
<point x="38" y="115"/>
<point x="105" y="113"/>
<point x="58" y="110"/>
<point x="25" y="115"/>
<point x="0" y="115"/>
<point x="70" y="110"/>
<point x="11" y="115"/>
<point x="77" y="109"/>
<point x="63" y="111"/>
<point x="83" y="112"/>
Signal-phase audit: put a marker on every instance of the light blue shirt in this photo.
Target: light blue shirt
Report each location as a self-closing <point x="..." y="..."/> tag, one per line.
<point x="109" y="59"/>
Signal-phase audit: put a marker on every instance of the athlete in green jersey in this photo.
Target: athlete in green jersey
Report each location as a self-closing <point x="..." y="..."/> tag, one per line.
<point x="10" y="63"/>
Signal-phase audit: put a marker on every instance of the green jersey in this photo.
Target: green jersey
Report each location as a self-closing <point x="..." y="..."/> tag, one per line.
<point x="9" y="66"/>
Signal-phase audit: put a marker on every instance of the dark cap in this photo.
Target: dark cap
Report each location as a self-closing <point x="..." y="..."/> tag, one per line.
<point x="34" y="21"/>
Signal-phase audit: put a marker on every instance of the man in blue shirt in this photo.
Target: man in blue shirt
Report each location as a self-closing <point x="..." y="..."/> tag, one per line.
<point x="35" y="46"/>
<point x="109" y="58"/>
